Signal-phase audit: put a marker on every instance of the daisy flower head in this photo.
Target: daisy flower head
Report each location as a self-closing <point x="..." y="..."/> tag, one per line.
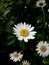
<point x="43" y="48"/>
<point x="48" y="10"/>
<point x="40" y="3"/>
<point x="25" y="62"/>
<point x="16" y="56"/>
<point x="24" y="31"/>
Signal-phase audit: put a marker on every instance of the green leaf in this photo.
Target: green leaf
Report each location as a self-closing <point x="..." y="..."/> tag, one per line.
<point x="11" y="22"/>
<point x="11" y="42"/>
<point x="28" y="1"/>
<point x="6" y="12"/>
<point x="46" y="61"/>
<point x="40" y="18"/>
<point x="9" y="29"/>
<point x="40" y="36"/>
<point x="20" y="2"/>
<point x="11" y="36"/>
<point x="22" y="45"/>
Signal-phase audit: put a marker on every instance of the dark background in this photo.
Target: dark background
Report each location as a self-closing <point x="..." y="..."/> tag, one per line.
<point x="17" y="14"/>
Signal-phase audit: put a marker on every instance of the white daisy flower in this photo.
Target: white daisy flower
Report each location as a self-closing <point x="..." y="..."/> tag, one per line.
<point x="38" y="21"/>
<point x="16" y="56"/>
<point x="40" y="3"/>
<point x="25" y="7"/>
<point x="48" y="10"/>
<point x="42" y="48"/>
<point x="25" y="62"/>
<point x="24" y="31"/>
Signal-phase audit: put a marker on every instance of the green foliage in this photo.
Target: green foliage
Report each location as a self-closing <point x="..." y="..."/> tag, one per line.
<point x="16" y="11"/>
<point x="46" y="61"/>
<point x="10" y="40"/>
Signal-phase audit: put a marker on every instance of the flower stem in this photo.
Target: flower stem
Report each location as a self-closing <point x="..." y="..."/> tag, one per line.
<point x="43" y="22"/>
<point x="43" y="14"/>
<point x="22" y="45"/>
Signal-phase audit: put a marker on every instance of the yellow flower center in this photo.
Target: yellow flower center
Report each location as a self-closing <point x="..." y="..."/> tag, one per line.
<point x="16" y="55"/>
<point x="25" y="64"/>
<point x="41" y="4"/>
<point x="43" y="48"/>
<point x="24" y="32"/>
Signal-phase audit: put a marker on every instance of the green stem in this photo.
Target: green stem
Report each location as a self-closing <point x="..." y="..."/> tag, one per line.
<point x="43" y="14"/>
<point x="22" y="45"/>
<point x="43" y="22"/>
